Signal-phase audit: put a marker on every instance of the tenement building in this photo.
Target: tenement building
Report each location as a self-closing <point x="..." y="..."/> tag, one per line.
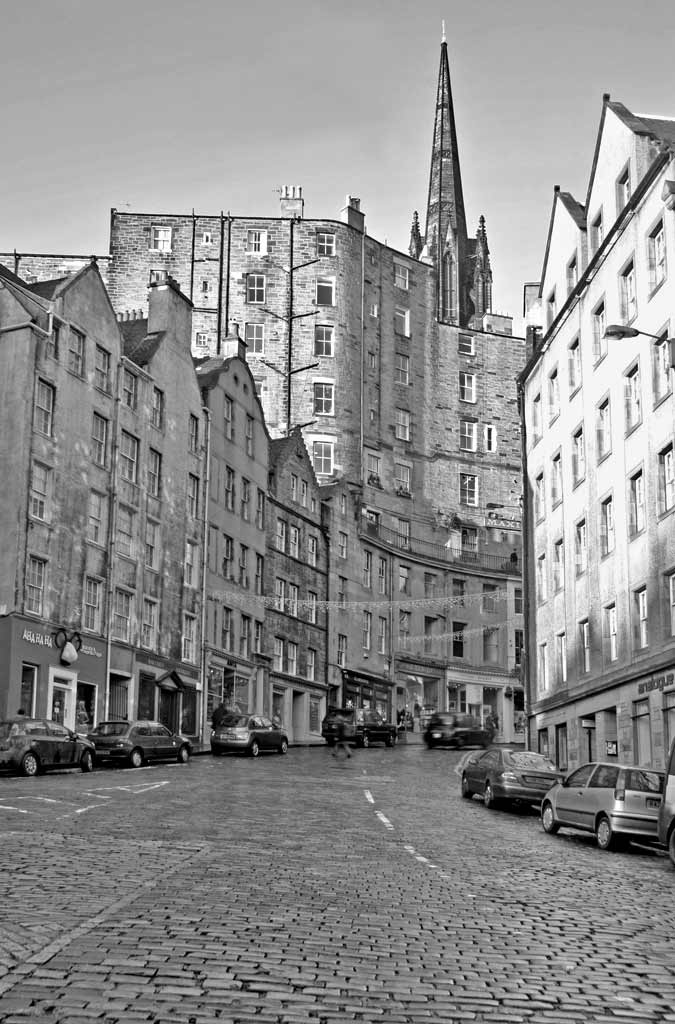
<point x="401" y="378"/>
<point x="598" y="427"/>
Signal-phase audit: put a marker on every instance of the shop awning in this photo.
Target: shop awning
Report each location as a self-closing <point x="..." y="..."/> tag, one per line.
<point x="173" y="681"/>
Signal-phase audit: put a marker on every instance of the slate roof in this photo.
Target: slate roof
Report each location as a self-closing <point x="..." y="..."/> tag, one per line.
<point x="47" y="289"/>
<point x="139" y="346"/>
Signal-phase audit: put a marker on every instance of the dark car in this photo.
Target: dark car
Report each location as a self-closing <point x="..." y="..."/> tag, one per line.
<point x="138" y="742"/>
<point x="32" y="745"/>
<point x="508" y="775"/>
<point x="666" y="824"/>
<point x="252" y="734"/>
<point x="364" y="726"/>
<point x="445" y="728"/>
<point x="616" y="802"/>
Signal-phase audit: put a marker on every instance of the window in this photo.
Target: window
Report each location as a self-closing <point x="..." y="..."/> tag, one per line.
<point x="551" y="308"/>
<point x="402" y="425"/>
<point x="325" y="243"/>
<point x="367" y="573"/>
<point x="402" y="478"/>
<point x="458" y="639"/>
<point x="556" y="479"/>
<point x="666" y="479"/>
<point x="124" y="535"/>
<point x="342" y="544"/>
<point x="95" y="518"/>
<point x="603" y="430"/>
<point x="574" y="364"/>
<point x="558" y="565"/>
<point x="154" y="473"/>
<point x="611" y="632"/>
<point x="627" y="292"/>
<point x="259" y="573"/>
<point x="578" y="455"/>
<point x="254" y="336"/>
<point x="403" y="579"/>
<point x="468" y="489"/>
<point x="518" y="601"/>
<point x="402" y="321"/>
<point x="35" y="584"/>
<point x="53" y="342"/>
<point x="129" y="389"/>
<point x="121" y="625"/>
<point x="151" y="544"/>
<point x="189" y="634"/>
<point x="312" y="548"/>
<point x="401" y="276"/>
<point x="256" y="242"/>
<point x="489" y="599"/>
<point x="207" y="238"/>
<point x="536" y="418"/>
<point x="160" y="238"/>
<point x="310" y="663"/>
<point x="157" y="415"/>
<point x="255" y="288"/>
<point x="323" y="398"/>
<point x="367" y="627"/>
<point x="76" y="352"/>
<point x="641" y="617"/>
<point x="260" y="510"/>
<point x="599" y="324"/>
<point x="607" y="526"/>
<point x="149" y="624"/>
<point x="193" y="495"/>
<point x="468" y="435"/>
<point x="670" y="583"/>
<point x="227" y="632"/>
<point x="280" y="539"/>
<point x="303" y="495"/>
<point x="518" y="647"/>
<point x="342" y="591"/>
<point x="561" y="645"/>
<point x="542" y="583"/>
<point x="374" y="309"/>
<point x="159" y="276"/>
<point x="342" y="650"/>
<point x="190" y="566"/>
<point x="401" y="369"/>
<point x="539" y="500"/>
<point x="469" y="537"/>
<point x="193" y="434"/>
<point x="99" y="439"/>
<point x="325" y="291"/>
<point x="243" y="565"/>
<point x="623" y="190"/>
<point x="40" y="491"/>
<point x="580" y="547"/>
<point x="229" y="489"/>
<point x="102" y="369"/>
<point x="228" y="417"/>
<point x="597" y="233"/>
<point x="656" y="256"/>
<point x="572" y="274"/>
<point x="632" y="397"/>
<point x="467" y="387"/>
<point x="280" y="594"/>
<point x="466" y="345"/>
<point x="382" y="635"/>
<point x="382" y="575"/>
<point x="322" y="457"/>
<point x="294" y="541"/>
<point x="585" y="646"/>
<point x="91" y="618"/>
<point x="323" y="340"/>
<point x="661" y="368"/>
<point x="292" y="602"/>
<point x="45" y="395"/>
<point x="245" y="508"/>
<point x="404" y="628"/>
<point x="312" y="605"/>
<point x="128" y="457"/>
<point x="491" y="644"/>
<point x="636" y="522"/>
<point x="258" y="637"/>
<point x="490" y="437"/>
<point x="542" y="667"/>
<point x="554" y="394"/>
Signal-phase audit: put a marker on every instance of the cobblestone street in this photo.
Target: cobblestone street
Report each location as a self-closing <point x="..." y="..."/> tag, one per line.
<point x="294" y="889"/>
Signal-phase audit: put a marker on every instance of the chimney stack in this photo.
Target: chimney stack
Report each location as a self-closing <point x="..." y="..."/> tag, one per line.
<point x="351" y="214"/>
<point x="292" y="203"/>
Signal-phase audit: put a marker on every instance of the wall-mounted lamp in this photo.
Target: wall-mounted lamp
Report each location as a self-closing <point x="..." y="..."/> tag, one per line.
<point x="620" y="331"/>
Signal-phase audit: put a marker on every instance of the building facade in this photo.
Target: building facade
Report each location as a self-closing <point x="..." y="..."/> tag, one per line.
<point x="598" y="428"/>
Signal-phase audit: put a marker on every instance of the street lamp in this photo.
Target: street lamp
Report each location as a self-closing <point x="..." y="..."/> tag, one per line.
<point x="620" y="331"/>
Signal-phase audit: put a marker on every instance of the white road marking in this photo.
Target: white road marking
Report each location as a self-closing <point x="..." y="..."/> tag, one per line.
<point x="4" y="807"/>
<point x="369" y="796"/>
<point x="385" y="821"/>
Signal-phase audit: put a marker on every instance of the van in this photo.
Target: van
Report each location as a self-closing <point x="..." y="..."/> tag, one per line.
<point x="666" y="824"/>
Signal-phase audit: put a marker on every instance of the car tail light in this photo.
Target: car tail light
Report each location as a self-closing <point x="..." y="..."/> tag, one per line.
<point x="620" y="794"/>
<point x="240" y="734"/>
<point x="509" y="776"/>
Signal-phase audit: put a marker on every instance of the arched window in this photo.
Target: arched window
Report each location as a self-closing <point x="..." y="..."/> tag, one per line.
<point x="448" y="288"/>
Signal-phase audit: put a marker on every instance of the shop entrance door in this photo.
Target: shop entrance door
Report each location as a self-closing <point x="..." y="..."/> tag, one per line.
<point x="60" y="708"/>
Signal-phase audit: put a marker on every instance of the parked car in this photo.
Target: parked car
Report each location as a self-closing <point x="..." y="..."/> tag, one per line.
<point x="138" y="742"/>
<point x="616" y="802"/>
<point x="666" y="822"/>
<point x="508" y="775"/>
<point x="32" y="745"/>
<point x="252" y="734"/>
<point x="445" y="728"/>
<point x="365" y="726"/>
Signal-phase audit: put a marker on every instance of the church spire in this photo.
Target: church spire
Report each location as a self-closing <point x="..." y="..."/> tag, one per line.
<point x="445" y="232"/>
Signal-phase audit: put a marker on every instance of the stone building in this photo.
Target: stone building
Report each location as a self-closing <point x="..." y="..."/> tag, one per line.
<point x="97" y="617"/>
<point x="599" y="427"/>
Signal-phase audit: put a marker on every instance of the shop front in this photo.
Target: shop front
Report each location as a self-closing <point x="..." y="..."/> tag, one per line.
<point x="363" y="690"/>
<point x="497" y="703"/>
<point x="169" y="695"/>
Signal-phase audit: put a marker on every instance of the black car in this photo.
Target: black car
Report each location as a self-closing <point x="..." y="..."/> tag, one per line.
<point x="138" y="742"/>
<point x="445" y="728"/>
<point x="363" y="726"/>
<point x="32" y="745"/>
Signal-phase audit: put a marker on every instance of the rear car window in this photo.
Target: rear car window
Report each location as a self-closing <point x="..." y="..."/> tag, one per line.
<point x="111" y="729"/>
<point x="643" y="781"/>
<point x="527" y="759"/>
<point x="233" y="719"/>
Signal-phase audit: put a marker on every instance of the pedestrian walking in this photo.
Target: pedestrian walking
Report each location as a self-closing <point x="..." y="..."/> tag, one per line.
<point x="218" y="715"/>
<point x="341" y="749"/>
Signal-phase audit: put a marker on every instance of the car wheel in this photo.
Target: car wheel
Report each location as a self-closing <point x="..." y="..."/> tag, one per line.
<point x="605" y="835"/>
<point x="254" y="749"/>
<point x="548" y="822"/>
<point x="183" y="755"/>
<point x="365" y="742"/>
<point x="671" y="847"/>
<point x="136" y="757"/>
<point x="429" y="743"/>
<point x="466" y="792"/>
<point x="87" y="762"/>
<point x="459" y="741"/>
<point x="283" y="747"/>
<point x="30" y="765"/>
<point x="488" y="797"/>
<point x="330" y="743"/>
<point x="389" y="741"/>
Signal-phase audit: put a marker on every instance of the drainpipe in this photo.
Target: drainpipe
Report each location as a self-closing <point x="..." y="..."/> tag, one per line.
<point x="363" y="357"/>
<point x="526" y="561"/>
<point x="192" y="255"/>
<point x="289" y="354"/>
<point x="205" y="538"/>
<point x="112" y="526"/>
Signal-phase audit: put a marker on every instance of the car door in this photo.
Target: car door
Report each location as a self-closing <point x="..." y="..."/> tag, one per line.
<point x="63" y="745"/>
<point x="256" y="731"/>
<point x="599" y="794"/>
<point x="40" y="740"/>
<point x="165" y="742"/>
<point x="477" y="769"/>
<point x="572" y="797"/>
<point x="269" y="736"/>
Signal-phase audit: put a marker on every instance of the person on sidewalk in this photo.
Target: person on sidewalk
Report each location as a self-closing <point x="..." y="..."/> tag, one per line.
<point x="341" y="747"/>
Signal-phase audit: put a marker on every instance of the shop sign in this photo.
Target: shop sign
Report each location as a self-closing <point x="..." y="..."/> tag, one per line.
<point x="611" y="748"/>
<point x="91" y="651"/>
<point x="41" y="639"/>
<point x="657" y="682"/>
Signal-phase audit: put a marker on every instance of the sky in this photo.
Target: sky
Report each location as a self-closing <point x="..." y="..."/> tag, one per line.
<point x="167" y="107"/>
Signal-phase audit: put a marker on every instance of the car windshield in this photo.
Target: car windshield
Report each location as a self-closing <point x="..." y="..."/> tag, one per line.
<point x="234" y="719"/>
<point x="111" y="728"/>
<point x="6" y="729"/>
<point x="528" y="759"/>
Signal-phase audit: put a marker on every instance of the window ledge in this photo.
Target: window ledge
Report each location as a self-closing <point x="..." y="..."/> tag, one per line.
<point x="575" y="391"/>
<point x="603" y="458"/>
<point x="657" y="287"/>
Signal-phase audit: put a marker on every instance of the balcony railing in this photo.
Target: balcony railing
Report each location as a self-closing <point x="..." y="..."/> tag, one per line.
<point x="439" y="552"/>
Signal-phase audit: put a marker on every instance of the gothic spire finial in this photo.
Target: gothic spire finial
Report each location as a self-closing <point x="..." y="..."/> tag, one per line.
<point x="443" y="39"/>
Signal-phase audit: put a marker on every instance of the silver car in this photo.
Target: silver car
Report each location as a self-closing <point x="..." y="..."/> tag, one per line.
<point x="617" y="802"/>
